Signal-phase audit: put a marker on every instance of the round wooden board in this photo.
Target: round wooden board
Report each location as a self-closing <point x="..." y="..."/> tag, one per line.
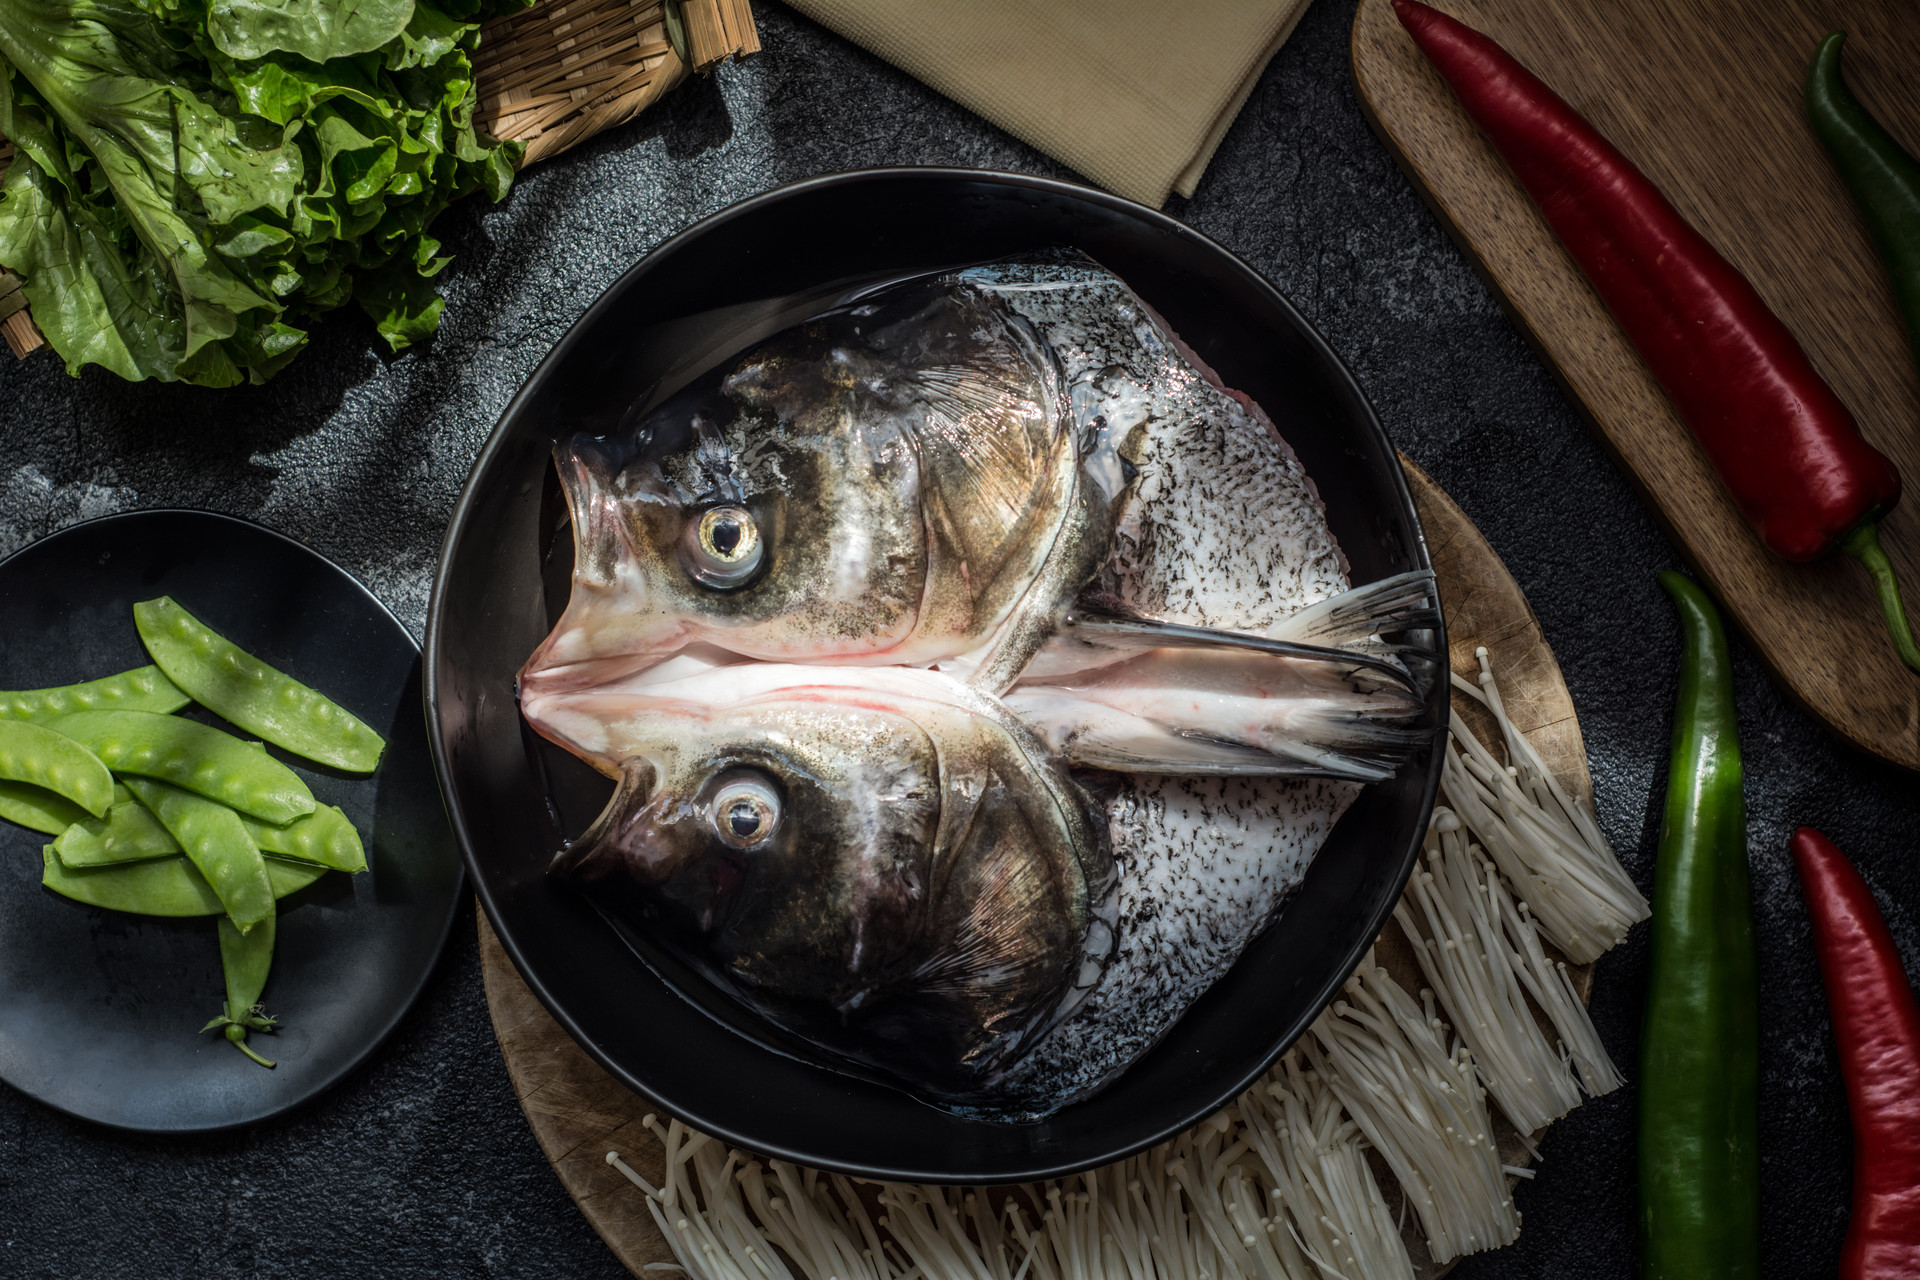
<point x="578" y="1112"/>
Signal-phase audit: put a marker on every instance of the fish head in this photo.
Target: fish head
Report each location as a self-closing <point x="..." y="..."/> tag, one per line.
<point x="897" y="881"/>
<point x="883" y="483"/>
<point x="768" y="531"/>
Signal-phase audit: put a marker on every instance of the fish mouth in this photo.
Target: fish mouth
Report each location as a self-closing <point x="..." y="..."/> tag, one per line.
<point x="606" y="857"/>
<point x="602" y="635"/>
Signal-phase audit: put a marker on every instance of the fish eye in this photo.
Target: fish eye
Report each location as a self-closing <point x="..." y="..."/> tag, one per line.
<point x="745" y="812"/>
<point x="724" y="547"/>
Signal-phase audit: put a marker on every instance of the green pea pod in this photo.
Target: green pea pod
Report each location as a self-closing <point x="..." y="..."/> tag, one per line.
<point x="245" y="959"/>
<point x="324" y="836"/>
<point x="39" y="809"/>
<point x="1700" y="1047"/>
<point x="43" y="757"/>
<point x="129" y="833"/>
<point x="240" y="688"/>
<point x="163" y="887"/>
<point x="1883" y="177"/>
<point x="217" y="844"/>
<point x="142" y="689"/>
<point x="186" y="753"/>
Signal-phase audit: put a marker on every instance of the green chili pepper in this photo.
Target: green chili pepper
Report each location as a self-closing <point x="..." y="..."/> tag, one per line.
<point x="163" y="887"/>
<point x="1700" y="1047"/>
<point x="142" y="689"/>
<point x="245" y="959"/>
<point x="324" y="836"/>
<point x="1883" y="177"/>
<point x="39" y="809"/>
<point x="217" y="844"/>
<point x="129" y="833"/>
<point x="240" y="688"/>
<point x="44" y="757"/>
<point x="189" y="754"/>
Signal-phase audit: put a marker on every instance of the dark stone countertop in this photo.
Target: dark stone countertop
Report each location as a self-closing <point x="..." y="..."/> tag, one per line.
<point x="421" y="1164"/>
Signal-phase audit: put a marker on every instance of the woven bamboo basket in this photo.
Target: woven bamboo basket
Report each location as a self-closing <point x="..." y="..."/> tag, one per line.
<point x="550" y="77"/>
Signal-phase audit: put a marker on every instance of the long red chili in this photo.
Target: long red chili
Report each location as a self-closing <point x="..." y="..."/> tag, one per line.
<point x="1876" y="1023"/>
<point x="1785" y="446"/>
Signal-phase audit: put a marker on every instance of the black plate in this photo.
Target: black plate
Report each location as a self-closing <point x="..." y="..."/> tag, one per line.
<point x="731" y="279"/>
<point x="99" y="1010"/>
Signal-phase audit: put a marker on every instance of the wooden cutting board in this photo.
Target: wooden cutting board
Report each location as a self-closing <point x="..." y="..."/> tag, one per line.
<point x="1705" y="96"/>
<point x="578" y="1112"/>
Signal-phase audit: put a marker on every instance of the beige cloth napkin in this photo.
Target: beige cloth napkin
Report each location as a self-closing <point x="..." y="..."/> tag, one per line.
<point x="1135" y="94"/>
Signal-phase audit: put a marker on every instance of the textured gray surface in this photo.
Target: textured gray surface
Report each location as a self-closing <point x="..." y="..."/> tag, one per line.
<point x="421" y="1164"/>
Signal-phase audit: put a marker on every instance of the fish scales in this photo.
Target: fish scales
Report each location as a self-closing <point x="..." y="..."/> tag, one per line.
<point x="1205" y="864"/>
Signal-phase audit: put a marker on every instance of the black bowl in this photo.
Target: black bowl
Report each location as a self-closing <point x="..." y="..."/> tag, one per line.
<point x="736" y="277"/>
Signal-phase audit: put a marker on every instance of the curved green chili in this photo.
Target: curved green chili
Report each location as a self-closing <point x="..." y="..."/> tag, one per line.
<point x="189" y="754"/>
<point x="1883" y="177"/>
<point x="240" y="688"/>
<point x="44" y="757"/>
<point x="163" y="887"/>
<point x="217" y="845"/>
<point x="142" y="689"/>
<point x="1700" y="1047"/>
<point x="245" y="960"/>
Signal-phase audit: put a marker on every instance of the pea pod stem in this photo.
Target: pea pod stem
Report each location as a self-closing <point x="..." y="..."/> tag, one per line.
<point x="1700" y="1052"/>
<point x="245" y="960"/>
<point x="247" y="692"/>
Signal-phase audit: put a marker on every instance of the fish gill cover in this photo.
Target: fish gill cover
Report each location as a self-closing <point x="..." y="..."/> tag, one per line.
<point x="193" y="182"/>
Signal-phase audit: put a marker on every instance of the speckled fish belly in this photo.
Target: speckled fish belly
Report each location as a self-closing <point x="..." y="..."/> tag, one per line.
<point x="1205" y="864"/>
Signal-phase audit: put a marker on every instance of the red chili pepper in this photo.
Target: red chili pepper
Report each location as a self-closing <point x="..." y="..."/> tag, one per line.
<point x="1785" y="446"/>
<point x="1877" y="1026"/>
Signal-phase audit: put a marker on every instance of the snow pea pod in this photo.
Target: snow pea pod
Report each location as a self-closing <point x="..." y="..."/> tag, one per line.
<point x="129" y="833"/>
<point x="162" y="887"/>
<point x="218" y="846"/>
<point x="189" y="754"/>
<point x="142" y="689"/>
<point x="39" y="809"/>
<point x="44" y="757"/>
<point x="237" y="686"/>
<point x="324" y="836"/>
<point x="245" y="960"/>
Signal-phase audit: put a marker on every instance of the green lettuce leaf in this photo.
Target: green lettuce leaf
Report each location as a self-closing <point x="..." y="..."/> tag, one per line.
<point x="314" y="29"/>
<point x="194" y="183"/>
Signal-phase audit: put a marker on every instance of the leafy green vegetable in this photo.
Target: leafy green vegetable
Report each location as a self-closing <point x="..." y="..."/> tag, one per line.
<point x="196" y="178"/>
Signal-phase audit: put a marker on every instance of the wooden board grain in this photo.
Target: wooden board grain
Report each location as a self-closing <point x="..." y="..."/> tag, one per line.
<point x="1705" y="96"/>
<point x="578" y="1112"/>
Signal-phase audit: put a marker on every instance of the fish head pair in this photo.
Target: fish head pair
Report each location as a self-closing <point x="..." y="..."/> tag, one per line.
<point x="885" y="483"/>
<point x="906" y="881"/>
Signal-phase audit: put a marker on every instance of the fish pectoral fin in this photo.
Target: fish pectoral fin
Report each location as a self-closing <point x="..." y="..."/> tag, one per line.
<point x="1089" y="639"/>
<point x="1362" y="737"/>
<point x="1357" y="618"/>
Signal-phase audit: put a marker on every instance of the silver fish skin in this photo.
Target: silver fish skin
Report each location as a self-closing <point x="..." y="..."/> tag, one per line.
<point x="894" y="871"/>
<point x="1206" y="863"/>
<point x="897" y="481"/>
